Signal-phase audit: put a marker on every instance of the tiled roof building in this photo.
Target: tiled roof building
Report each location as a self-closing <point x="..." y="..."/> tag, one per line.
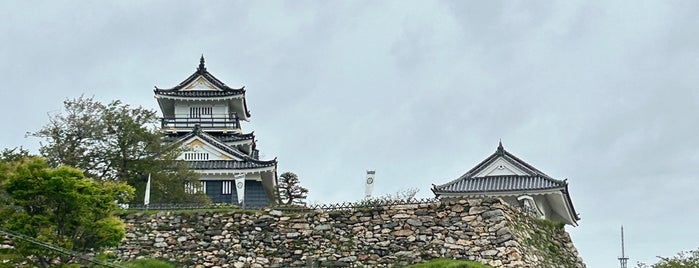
<point x="505" y="176"/>
<point x="202" y="114"/>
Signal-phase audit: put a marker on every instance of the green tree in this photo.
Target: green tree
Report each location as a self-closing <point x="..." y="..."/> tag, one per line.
<point x="289" y="191"/>
<point x="117" y="142"/>
<point x="681" y="260"/>
<point x="62" y="207"/>
<point x="13" y="155"/>
<point x="9" y="158"/>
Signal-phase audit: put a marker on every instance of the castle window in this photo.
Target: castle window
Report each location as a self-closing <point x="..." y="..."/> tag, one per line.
<point x="198" y="112"/>
<point x="194" y="187"/>
<point x="227" y="187"/>
<point x="196" y="156"/>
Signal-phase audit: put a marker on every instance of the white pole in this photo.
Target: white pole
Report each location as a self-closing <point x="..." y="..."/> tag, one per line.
<point x="370" y="175"/>
<point x="146" y="198"/>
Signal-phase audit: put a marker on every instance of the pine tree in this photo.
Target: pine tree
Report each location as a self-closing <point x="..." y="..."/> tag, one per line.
<point x="289" y="191"/>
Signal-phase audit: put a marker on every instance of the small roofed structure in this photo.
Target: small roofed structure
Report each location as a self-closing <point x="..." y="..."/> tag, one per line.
<point x="505" y="176"/>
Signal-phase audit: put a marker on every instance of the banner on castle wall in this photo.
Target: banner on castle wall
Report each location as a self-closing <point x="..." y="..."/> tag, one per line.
<point x="240" y="187"/>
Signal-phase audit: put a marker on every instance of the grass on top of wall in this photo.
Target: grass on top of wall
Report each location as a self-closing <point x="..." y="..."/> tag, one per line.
<point x="447" y="263"/>
<point x="147" y="263"/>
<point x="124" y="212"/>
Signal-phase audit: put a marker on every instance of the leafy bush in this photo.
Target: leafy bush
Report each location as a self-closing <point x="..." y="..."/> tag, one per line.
<point x="403" y="195"/>
<point x="681" y="260"/>
<point x="447" y="263"/>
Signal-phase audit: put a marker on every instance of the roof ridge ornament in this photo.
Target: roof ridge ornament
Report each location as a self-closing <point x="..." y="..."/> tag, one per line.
<point x="501" y="150"/>
<point x="201" y="68"/>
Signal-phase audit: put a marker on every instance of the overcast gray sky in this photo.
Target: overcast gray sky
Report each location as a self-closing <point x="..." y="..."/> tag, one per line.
<point x="603" y="94"/>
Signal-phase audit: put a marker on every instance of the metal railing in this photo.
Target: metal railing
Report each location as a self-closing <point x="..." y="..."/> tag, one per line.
<point x="231" y="122"/>
<point x="362" y="204"/>
<point x="365" y="204"/>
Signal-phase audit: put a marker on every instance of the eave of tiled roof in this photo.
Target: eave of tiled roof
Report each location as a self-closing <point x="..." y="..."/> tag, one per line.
<point x="234" y="137"/>
<point x="224" y="147"/>
<point x="199" y="93"/>
<point x="500" y="184"/>
<point x="228" y="164"/>
<point x="225" y="137"/>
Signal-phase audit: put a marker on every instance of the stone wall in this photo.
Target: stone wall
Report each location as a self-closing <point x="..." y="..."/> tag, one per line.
<point x="488" y="231"/>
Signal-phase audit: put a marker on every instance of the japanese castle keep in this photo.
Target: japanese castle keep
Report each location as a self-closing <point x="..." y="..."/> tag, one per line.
<point x="505" y="176"/>
<point x="203" y="115"/>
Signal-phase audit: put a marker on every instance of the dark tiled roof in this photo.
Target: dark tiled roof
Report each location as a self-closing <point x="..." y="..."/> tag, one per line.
<point x="201" y="71"/>
<point x="234" y="137"/>
<point x="500" y="184"/>
<point x="534" y="180"/>
<point x="227" y="137"/>
<point x="228" y="164"/>
<point x="224" y="147"/>
<point x="519" y="163"/>
<point x="199" y="93"/>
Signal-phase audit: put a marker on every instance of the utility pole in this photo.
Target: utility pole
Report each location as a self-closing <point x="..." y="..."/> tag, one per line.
<point x="623" y="259"/>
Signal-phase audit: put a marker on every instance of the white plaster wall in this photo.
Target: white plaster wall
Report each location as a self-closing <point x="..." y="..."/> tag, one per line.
<point x="220" y="109"/>
<point x="181" y="110"/>
<point x="543" y="205"/>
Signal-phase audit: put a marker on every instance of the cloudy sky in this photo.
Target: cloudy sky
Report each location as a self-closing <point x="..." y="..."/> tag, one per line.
<point x="603" y="94"/>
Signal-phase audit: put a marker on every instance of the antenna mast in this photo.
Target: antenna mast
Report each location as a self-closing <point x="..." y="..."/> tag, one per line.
<point x="623" y="259"/>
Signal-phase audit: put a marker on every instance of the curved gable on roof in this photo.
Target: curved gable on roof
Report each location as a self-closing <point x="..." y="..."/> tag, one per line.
<point x="518" y="166"/>
<point x="202" y="84"/>
<point x="197" y="133"/>
<point x="201" y="79"/>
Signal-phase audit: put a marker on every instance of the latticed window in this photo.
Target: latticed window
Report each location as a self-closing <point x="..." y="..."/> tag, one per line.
<point x="197" y="112"/>
<point x="227" y="187"/>
<point x="194" y="187"/>
<point x="196" y="156"/>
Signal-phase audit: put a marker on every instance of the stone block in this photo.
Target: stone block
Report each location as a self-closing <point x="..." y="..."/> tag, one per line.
<point x="275" y="213"/>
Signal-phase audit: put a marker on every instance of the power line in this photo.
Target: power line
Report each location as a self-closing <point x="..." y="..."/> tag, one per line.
<point x="58" y="249"/>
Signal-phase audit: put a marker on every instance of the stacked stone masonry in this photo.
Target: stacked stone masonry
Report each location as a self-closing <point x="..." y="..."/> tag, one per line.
<point x="489" y="231"/>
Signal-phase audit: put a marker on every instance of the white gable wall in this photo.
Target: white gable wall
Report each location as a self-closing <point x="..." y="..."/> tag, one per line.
<point x="182" y="108"/>
<point x="200" y="83"/>
<point x="196" y="145"/>
<point x="213" y="154"/>
<point x="500" y="167"/>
